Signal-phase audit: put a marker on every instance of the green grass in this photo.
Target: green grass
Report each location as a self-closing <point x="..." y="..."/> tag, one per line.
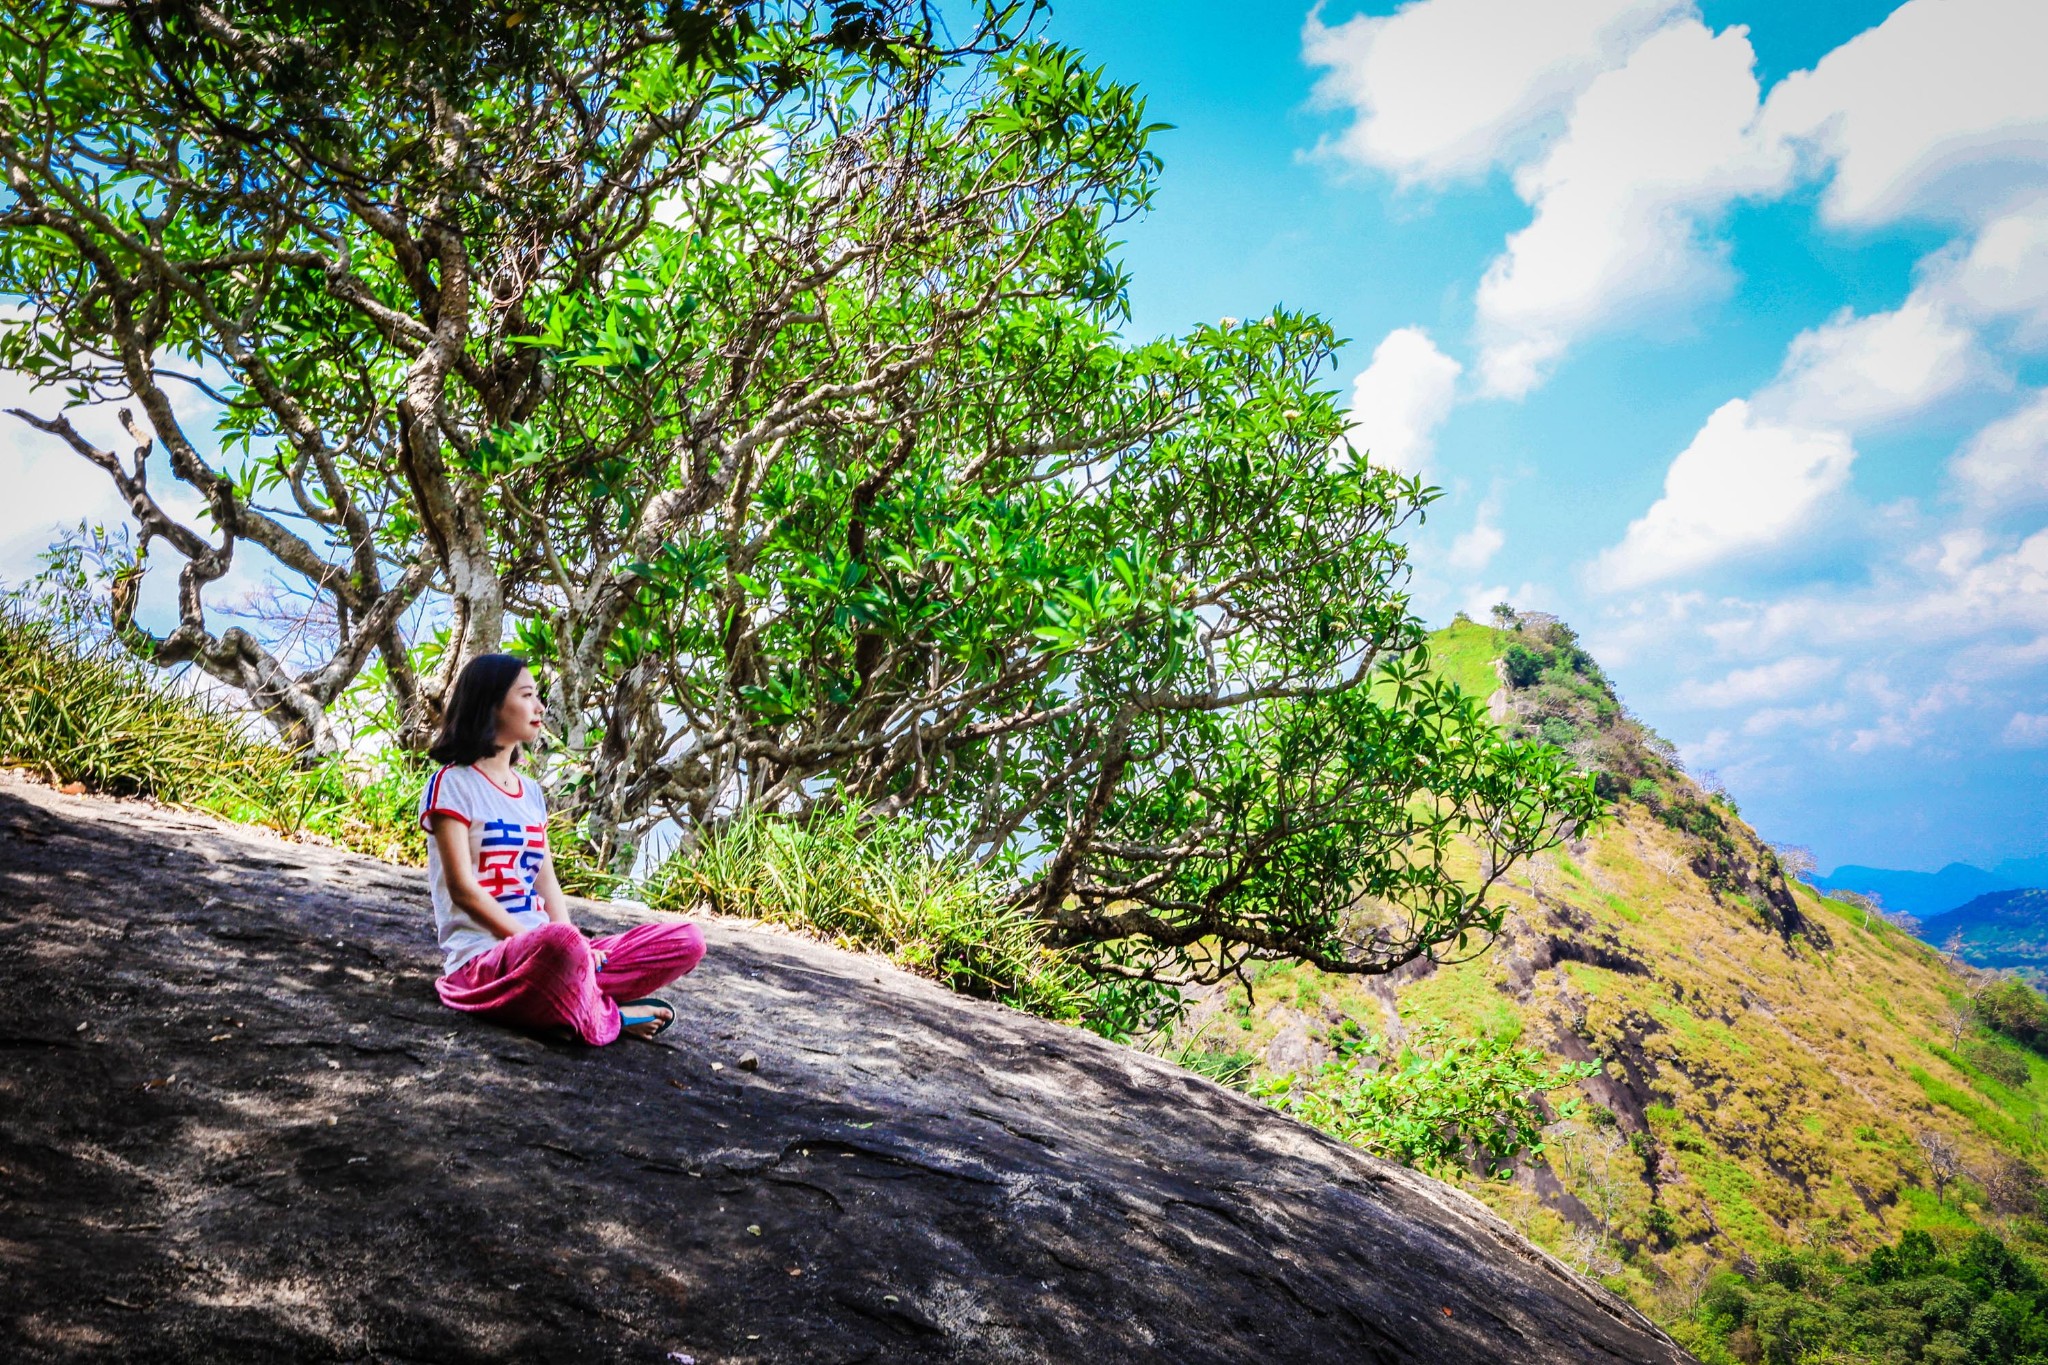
<point x="1622" y="908"/>
<point x="1988" y="1119"/>
<point x="870" y="883"/>
<point x="1728" y="1185"/>
<point x="1463" y="653"/>
<point x="76" y="712"/>
<point x="1923" y="1214"/>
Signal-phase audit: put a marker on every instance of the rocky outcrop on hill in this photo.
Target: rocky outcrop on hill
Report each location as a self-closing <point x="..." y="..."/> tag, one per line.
<point x="235" y="1125"/>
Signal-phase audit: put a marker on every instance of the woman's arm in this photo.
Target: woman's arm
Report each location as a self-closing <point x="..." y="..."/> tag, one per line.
<point x="451" y="836"/>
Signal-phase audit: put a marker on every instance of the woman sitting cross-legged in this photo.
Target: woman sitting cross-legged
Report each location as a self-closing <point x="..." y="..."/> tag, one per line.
<point x="508" y="950"/>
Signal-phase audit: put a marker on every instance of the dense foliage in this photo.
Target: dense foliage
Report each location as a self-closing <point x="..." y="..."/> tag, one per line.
<point x="1436" y="1102"/>
<point x="1978" y="1305"/>
<point x="2012" y="1007"/>
<point x="756" y="371"/>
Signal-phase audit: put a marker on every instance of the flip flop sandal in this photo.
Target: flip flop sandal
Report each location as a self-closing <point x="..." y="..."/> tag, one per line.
<point x="635" y="1013"/>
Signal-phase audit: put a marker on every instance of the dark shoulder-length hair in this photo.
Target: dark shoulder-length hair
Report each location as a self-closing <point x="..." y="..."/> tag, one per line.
<point x="469" y="729"/>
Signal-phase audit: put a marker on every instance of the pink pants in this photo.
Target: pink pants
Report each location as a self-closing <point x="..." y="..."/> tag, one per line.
<point x="546" y="978"/>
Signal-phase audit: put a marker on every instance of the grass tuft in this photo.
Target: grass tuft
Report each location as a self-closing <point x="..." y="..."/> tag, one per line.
<point x="84" y="712"/>
<point x="870" y="883"/>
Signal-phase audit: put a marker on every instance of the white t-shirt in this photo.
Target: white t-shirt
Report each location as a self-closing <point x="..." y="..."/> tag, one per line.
<point x="508" y="842"/>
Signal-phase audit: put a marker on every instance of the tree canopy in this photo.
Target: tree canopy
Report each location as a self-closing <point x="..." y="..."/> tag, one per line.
<point x="759" y="373"/>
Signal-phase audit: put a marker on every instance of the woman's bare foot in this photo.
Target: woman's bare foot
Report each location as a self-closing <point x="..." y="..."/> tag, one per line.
<point x="646" y="1028"/>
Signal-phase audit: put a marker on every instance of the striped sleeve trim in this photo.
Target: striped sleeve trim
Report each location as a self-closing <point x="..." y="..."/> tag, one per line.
<point x="430" y="804"/>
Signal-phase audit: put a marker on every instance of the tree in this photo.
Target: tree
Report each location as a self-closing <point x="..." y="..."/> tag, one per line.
<point x="756" y="372"/>
<point x="1944" y="1160"/>
<point x="2012" y="1185"/>
<point x="1797" y="861"/>
<point x="336" y="221"/>
<point x="1957" y="1017"/>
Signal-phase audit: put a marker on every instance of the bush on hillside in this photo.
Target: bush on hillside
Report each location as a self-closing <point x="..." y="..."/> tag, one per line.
<point x="1524" y="665"/>
<point x="2001" y="1064"/>
<point x="1439" y="1103"/>
<point x="1981" y="1305"/>
<point x="2011" y="1007"/>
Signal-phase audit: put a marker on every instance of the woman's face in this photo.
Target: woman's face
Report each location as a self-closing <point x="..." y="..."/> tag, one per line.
<point x="520" y="715"/>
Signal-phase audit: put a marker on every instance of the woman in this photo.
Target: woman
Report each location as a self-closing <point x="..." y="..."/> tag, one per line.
<point x="508" y="950"/>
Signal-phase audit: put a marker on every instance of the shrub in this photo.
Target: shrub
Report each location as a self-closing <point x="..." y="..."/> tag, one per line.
<point x="2017" y="1010"/>
<point x="1659" y="1226"/>
<point x="1438" y="1103"/>
<point x="2000" y="1064"/>
<point x="1223" y="1066"/>
<point x="1524" y="665"/>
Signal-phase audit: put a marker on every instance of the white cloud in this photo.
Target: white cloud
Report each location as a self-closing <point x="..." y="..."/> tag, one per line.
<point x="1957" y="586"/>
<point x="2006" y="464"/>
<point x="1766" y="682"/>
<point x="1758" y="468"/>
<point x="1772" y="720"/>
<point x="1904" y="726"/>
<point x="1653" y="150"/>
<point x="51" y="486"/>
<point x="1449" y="88"/>
<point x="2003" y="272"/>
<point x="1401" y="399"/>
<point x="1479" y="600"/>
<point x="1632" y="127"/>
<point x="1744" y="483"/>
<point x="1939" y="110"/>
<point x="1855" y="372"/>
<point x="2027" y="730"/>
<point x="1474" y="549"/>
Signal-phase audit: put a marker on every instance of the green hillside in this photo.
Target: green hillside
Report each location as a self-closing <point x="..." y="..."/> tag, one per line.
<point x="1466" y="652"/>
<point x="1774" y="1063"/>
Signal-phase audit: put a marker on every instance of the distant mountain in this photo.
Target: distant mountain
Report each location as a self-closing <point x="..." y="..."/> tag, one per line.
<point x="2005" y="929"/>
<point x="1920" y="894"/>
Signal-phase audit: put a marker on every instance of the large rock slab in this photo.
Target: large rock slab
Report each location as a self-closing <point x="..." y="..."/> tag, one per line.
<point x="236" y="1125"/>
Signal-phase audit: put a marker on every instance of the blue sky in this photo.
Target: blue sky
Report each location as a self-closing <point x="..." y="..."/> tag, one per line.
<point x="1723" y="326"/>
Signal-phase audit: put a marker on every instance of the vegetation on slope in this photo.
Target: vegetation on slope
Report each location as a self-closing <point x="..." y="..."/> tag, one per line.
<point x="1978" y="1304"/>
<point x="1776" y="1069"/>
<point x="74" y="710"/>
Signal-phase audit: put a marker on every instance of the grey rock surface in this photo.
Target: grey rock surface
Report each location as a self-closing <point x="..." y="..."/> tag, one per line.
<point x="235" y="1125"/>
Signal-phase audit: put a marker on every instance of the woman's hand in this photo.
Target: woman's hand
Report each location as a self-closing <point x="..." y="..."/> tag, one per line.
<point x="598" y="957"/>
